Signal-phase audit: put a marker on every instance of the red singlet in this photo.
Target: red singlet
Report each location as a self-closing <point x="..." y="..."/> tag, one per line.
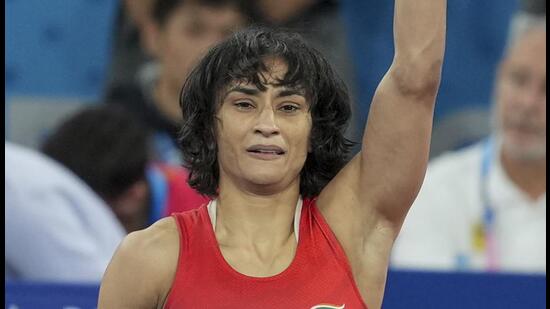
<point x="319" y="276"/>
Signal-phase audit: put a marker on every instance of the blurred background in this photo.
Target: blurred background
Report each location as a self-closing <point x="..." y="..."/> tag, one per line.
<point x="60" y="56"/>
<point x="92" y="88"/>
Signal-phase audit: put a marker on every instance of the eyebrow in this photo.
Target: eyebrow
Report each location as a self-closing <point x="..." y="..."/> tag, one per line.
<point x="285" y="92"/>
<point x="245" y="90"/>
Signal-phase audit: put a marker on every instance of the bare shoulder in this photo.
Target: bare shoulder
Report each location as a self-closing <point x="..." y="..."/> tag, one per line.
<point x="163" y="234"/>
<point x="142" y="269"/>
<point x="148" y="247"/>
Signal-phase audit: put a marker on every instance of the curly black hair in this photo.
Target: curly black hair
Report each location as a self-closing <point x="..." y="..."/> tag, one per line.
<point x="242" y="58"/>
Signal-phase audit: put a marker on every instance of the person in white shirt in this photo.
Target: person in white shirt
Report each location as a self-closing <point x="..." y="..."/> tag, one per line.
<point x="57" y="228"/>
<point x="483" y="208"/>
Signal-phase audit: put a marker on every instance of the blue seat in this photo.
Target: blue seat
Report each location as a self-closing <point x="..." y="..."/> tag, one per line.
<point x="44" y="295"/>
<point x="414" y="289"/>
<point x="476" y="37"/>
<point x="58" y="48"/>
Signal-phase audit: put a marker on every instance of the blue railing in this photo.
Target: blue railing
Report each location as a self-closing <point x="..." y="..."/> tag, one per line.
<point x="404" y="290"/>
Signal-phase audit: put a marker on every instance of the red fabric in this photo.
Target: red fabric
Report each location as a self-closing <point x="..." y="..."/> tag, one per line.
<point x="319" y="274"/>
<point x="181" y="197"/>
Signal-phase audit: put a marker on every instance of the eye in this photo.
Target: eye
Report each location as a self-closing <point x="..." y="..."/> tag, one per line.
<point x="518" y="79"/>
<point x="243" y="105"/>
<point x="289" y="108"/>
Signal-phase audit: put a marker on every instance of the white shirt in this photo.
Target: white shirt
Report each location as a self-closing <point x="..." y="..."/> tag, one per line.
<point x="57" y="228"/>
<point x="439" y="227"/>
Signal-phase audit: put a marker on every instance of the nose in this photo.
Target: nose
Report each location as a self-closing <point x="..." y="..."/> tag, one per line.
<point x="531" y="96"/>
<point x="266" y="123"/>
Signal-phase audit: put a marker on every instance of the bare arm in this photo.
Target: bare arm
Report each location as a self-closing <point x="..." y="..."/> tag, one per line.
<point x="141" y="272"/>
<point x="366" y="203"/>
<point x="397" y="138"/>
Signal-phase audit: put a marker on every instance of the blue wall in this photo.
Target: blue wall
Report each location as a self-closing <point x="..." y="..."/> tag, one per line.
<point x="62" y="48"/>
<point x="407" y="289"/>
<point x="404" y="290"/>
<point x="58" y="48"/>
<point x="476" y="35"/>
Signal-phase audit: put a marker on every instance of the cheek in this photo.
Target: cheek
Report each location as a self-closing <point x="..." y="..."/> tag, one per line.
<point x="182" y="58"/>
<point x="193" y="48"/>
<point x="226" y="153"/>
<point x="508" y="89"/>
<point x="542" y="106"/>
<point x="308" y="133"/>
<point x="504" y="101"/>
<point x="302" y="139"/>
<point x="228" y="137"/>
<point x="180" y="51"/>
<point x="188" y="52"/>
<point x="306" y="144"/>
<point x="175" y="62"/>
<point x="542" y="114"/>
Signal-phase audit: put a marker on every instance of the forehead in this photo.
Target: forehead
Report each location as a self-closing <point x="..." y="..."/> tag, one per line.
<point x="274" y="75"/>
<point x="221" y="15"/>
<point x="530" y="48"/>
<point x="276" y="66"/>
<point x="275" y="69"/>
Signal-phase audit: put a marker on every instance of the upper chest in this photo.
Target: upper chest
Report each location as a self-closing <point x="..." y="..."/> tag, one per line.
<point x="307" y="276"/>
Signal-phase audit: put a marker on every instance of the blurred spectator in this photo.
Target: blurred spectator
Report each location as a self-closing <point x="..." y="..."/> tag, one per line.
<point x="484" y="208"/>
<point x="177" y="34"/>
<point x="107" y="147"/>
<point x="129" y="45"/>
<point x="534" y="7"/>
<point x="320" y="22"/>
<point x="57" y="228"/>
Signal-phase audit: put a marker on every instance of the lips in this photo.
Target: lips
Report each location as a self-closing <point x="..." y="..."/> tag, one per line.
<point x="524" y="128"/>
<point x="266" y="149"/>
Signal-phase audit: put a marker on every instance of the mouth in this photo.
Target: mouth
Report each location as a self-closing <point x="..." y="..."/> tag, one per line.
<point x="266" y="152"/>
<point x="524" y="129"/>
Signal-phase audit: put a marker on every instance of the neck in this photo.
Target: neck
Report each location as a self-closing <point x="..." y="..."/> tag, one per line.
<point x="528" y="175"/>
<point x="167" y="99"/>
<point x="254" y="219"/>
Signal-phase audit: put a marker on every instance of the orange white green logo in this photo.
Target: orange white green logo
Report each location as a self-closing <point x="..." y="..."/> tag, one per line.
<point x="328" y="306"/>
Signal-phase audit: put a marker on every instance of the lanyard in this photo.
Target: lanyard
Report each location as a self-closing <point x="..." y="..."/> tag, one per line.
<point x="483" y="238"/>
<point x="488" y="216"/>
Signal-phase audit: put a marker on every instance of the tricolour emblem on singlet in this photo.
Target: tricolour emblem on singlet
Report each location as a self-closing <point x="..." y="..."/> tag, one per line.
<point x="328" y="306"/>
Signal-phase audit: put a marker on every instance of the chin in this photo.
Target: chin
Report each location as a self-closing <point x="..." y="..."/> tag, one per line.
<point x="263" y="178"/>
<point x="524" y="151"/>
<point x="270" y="177"/>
